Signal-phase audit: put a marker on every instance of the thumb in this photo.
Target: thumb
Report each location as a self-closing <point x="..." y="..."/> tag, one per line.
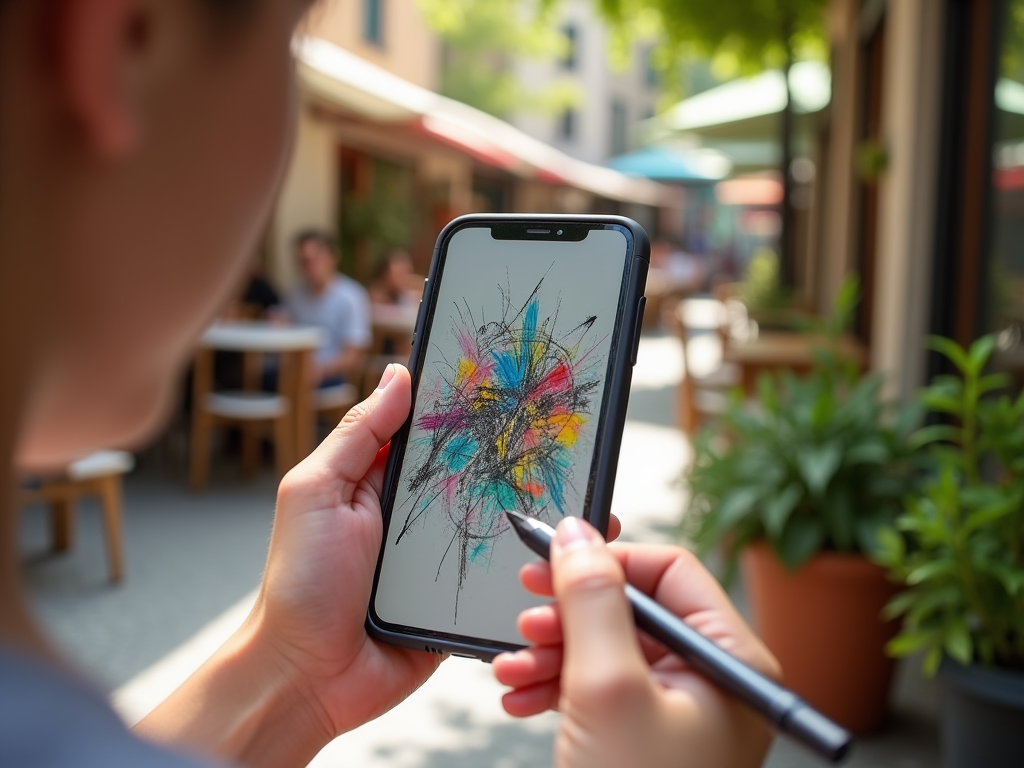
<point x="349" y="451"/>
<point x="602" y="651"/>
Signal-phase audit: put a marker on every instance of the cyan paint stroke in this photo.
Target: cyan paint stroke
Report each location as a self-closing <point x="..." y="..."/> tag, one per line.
<point x="502" y="427"/>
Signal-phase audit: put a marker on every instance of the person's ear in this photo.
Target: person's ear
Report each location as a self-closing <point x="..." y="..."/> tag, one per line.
<point x="106" y="52"/>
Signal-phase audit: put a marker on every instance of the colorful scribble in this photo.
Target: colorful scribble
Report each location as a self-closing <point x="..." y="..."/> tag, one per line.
<point x="502" y="424"/>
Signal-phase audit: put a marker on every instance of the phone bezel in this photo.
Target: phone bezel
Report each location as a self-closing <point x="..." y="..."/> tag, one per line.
<point x="613" y="406"/>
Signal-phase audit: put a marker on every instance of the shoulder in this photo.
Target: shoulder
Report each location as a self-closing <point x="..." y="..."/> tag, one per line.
<point x="348" y="290"/>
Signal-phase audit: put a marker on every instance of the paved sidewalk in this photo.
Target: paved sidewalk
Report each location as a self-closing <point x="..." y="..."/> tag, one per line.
<point x="193" y="562"/>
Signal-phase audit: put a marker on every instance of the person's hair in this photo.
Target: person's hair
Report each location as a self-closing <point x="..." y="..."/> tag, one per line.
<point x="228" y="16"/>
<point x="317" y="236"/>
<point x="381" y="265"/>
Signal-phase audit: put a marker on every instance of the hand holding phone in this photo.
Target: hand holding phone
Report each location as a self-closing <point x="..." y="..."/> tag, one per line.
<point x="521" y="367"/>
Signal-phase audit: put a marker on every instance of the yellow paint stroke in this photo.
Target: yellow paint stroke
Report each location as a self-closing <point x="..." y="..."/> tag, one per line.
<point x="538" y="349"/>
<point x="568" y="426"/>
<point x="484" y="392"/>
<point x="466" y="369"/>
<point x="502" y="441"/>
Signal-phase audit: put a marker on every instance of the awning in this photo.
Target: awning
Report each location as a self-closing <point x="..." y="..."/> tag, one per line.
<point x="362" y="88"/>
<point x="747" y="99"/>
<point x="741" y="118"/>
<point x="672" y="164"/>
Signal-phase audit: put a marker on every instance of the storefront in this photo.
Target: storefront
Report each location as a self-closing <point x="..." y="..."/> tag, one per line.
<point x="383" y="162"/>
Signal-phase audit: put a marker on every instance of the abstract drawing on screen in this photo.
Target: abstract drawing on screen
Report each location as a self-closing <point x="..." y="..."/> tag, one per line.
<point x="502" y="423"/>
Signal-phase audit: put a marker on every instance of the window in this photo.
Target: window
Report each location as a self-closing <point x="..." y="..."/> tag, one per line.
<point x="618" y="126"/>
<point x="1001" y="275"/>
<point x="373" y="21"/>
<point x="571" y="58"/>
<point x="567" y="125"/>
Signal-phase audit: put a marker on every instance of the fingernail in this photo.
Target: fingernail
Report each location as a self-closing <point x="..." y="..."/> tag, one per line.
<point x="573" y="533"/>
<point x="389" y="374"/>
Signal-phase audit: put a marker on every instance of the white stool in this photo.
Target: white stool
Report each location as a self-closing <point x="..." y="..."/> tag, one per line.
<point x="98" y="474"/>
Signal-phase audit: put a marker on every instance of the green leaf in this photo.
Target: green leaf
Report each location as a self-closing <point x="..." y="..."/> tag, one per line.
<point x="735" y="507"/>
<point x="869" y="531"/>
<point x="778" y="509"/>
<point x="958" y="642"/>
<point x="931" y="599"/>
<point x="932" y="434"/>
<point x="767" y="394"/>
<point x="931" y="661"/>
<point x="988" y="515"/>
<point x="979" y="354"/>
<point x="899" y="605"/>
<point x="801" y="539"/>
<point x="993" y="382"/>
<point x="956" y="354"/>
<point x="891" y="549"/>
<point x="930" y="570"/>
<point x="870" y="452"/>
<point x="907" y="643"/>
<point x="1012" y="580"/>
<point x="818" y="465"/>
<point x="942" y="402"/>
<point x="839" y="518"/>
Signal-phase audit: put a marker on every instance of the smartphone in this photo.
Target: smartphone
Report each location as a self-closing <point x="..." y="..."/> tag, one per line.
<point x="521" y="364"/>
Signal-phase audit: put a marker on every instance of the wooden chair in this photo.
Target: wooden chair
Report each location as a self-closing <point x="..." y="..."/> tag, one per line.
<point x="98" y="474"/>
<point x="249" y="409"/>
<point x="287" y="413"/>
<point x="332" y="403"/>
<point x="703" y="391"/>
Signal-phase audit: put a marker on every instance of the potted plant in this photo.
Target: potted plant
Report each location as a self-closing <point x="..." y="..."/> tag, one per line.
<point x="959" y="549"/>
<point x="796" y="489"/>
<point x="766" y="301"/>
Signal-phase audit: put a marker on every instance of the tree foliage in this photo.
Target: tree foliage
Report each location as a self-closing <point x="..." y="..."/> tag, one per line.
<point x="745" y="36"/>
<point x="482" y="38"/>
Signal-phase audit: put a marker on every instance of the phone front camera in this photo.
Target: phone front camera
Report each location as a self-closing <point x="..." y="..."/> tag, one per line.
<point x="559" y="231"/>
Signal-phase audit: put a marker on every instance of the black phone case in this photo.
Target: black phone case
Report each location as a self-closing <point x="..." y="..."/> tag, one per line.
<point x="612" y="421"/>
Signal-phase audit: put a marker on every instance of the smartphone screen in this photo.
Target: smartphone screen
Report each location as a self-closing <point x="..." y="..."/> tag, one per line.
<point x="517" y="350"/>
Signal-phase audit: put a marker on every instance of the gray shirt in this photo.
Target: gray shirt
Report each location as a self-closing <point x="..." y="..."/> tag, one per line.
<point x="342" y="310"/>
<point x="49" y="719"/>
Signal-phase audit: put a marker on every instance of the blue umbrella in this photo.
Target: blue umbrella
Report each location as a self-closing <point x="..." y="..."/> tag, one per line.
<point x="672" y="164"/>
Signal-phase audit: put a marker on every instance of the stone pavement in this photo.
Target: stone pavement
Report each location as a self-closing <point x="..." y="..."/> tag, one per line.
<point x="192" y="563"/>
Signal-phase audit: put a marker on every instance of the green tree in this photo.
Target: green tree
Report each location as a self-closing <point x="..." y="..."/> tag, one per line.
<point x="482" y="38"/>
<point x="746" y="35"/>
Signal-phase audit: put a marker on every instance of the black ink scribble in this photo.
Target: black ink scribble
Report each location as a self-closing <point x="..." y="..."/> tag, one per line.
<point x="502" y="426"/>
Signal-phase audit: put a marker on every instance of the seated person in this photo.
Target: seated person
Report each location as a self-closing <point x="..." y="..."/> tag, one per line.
<point x="334" y="302"/>
<point x="393" y="282"/>
<point x="394" y="287"/>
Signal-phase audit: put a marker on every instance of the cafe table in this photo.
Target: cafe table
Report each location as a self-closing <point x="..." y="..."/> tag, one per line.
<point x="787" y="350"/>
<point x="294" y="345"/>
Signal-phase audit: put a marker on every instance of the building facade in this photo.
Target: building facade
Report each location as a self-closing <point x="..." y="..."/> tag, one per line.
<point x="612" y="100"/>
<point x="922" y="178"/>
<point x="383" y="161"/>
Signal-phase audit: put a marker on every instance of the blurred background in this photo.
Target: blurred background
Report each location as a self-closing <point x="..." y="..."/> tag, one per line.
<point x="826" y="183"/>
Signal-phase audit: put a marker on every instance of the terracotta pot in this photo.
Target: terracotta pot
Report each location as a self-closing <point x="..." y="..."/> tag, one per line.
<point x="823" y="625"/>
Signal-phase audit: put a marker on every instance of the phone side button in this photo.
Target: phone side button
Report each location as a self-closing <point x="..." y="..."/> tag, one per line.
<point x="636" y="330"/>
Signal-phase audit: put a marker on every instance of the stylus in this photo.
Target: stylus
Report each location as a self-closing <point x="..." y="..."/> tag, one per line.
<point x="783" y="708"/>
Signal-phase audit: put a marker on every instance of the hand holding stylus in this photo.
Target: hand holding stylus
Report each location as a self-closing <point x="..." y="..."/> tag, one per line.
<point x="624" y="701"/>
